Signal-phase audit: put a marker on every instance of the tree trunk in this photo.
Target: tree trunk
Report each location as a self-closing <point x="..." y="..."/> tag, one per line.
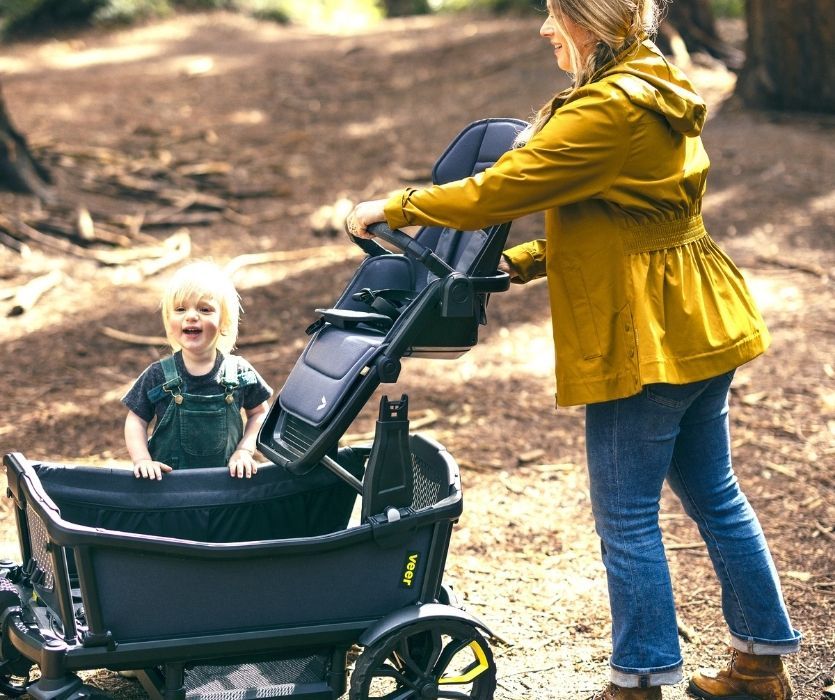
<point x="790" y="62"/>
<point x="405" y="8"/>
<point x="19" y="171"/>
<point x="689" y="27"/>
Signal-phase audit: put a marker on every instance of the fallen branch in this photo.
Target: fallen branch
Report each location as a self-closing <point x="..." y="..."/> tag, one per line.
<point x="85" y="230"/>
<point x="133" y="338"/>
<point x="179" y="245"/>
<point x="11" y="242"/>
<point x="183" y="199"/>
<point x="27" y="296"/>
<point x="105" y="257"/>
<point x="181" y="218"/>
<point x="808" y="268"/>
<point x="827" y="533"/>
<point x="686" y="632"/>
<point x="260" y="339"/>
<point x="248" y="259"/>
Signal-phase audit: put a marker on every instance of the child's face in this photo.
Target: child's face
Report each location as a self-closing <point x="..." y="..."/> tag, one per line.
<point x="194" y="324"/>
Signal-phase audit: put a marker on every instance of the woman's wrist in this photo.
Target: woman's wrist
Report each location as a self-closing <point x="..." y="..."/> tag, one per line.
<point x="245" y="449"/>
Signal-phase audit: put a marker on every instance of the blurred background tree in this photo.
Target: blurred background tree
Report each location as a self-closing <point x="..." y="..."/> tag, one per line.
<point x="790" y="55"/>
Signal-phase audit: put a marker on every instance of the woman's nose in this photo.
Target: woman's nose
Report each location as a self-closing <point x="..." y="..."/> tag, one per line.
<point x="546" y="29"/>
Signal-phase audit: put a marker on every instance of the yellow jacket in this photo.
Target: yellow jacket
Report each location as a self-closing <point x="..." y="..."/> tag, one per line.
<point x="639" y="291"/>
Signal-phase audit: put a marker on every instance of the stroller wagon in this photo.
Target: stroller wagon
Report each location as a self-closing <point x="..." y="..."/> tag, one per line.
<point x="220" y="589"/>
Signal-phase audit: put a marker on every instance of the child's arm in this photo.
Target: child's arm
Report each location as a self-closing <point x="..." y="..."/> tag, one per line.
<point x="136" y="439"/>
<point x="242" y="462"/>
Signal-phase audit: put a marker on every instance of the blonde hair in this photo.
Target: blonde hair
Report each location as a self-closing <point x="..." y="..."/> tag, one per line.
<point x="616" y="25"/>
<point x="204" y="280"/>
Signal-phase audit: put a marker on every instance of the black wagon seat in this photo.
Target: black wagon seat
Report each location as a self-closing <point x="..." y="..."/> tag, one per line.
<point x="397" y="304"/>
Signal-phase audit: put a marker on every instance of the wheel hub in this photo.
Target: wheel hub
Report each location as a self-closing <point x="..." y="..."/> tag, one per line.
<point x="430" y="690"/>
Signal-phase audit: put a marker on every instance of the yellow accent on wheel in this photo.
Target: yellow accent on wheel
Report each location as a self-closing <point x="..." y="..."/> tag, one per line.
<point x="479" y="666"/>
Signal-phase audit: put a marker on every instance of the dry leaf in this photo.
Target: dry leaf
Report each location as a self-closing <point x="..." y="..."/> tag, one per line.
<point x="756" y="397"/>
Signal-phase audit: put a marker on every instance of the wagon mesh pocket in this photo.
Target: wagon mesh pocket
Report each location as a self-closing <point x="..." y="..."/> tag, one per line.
<point x="39" y="540"/>
<point x="261" y="679"/>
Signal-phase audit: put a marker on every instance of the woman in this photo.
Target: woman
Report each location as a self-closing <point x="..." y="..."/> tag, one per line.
<point x="650" y="320"/>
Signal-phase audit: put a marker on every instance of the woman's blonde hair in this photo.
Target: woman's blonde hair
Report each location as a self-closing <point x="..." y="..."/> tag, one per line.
<point x="204" y="280"/>
<point x="615" y="25"/>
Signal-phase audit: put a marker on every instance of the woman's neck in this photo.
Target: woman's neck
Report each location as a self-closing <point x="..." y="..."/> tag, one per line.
<point x="198" y="364"/>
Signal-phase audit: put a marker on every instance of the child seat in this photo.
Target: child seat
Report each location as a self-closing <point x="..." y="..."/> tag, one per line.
<point x="425" y="301"/>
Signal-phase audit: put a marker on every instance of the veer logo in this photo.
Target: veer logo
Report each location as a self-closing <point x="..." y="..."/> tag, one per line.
<point x="322" y="403"/>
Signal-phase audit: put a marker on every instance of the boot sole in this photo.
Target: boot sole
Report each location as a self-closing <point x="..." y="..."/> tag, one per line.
<point x="693" y="689"/>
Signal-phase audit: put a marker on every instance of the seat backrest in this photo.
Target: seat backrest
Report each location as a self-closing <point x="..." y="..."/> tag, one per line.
<point x="343" y="364"/>
<point x="475" y="149"/>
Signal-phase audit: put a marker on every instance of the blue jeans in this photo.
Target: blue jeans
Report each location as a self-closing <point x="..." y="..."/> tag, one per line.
<point x="678" y="433"/>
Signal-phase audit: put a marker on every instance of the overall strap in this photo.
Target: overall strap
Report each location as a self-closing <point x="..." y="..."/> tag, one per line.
<point x="229" y="376"/>
<point x="173" y="381"/>
<point x="229" y="372"/>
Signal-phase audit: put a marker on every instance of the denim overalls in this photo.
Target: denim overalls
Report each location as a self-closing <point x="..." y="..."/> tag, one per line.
<point x="197" y="431"/>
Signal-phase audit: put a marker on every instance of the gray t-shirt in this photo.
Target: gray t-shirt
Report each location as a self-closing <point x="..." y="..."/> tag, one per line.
<point x="147" y="400"/>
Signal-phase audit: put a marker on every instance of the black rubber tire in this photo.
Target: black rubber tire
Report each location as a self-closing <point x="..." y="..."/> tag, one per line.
<point x="8" y="594"/>
<point x="14" y="686"/>
<point x="427" y="659"/>
<point x="14" y="667"/>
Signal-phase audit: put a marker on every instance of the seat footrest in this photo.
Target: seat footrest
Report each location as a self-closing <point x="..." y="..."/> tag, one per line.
<point x="348" y="318"/>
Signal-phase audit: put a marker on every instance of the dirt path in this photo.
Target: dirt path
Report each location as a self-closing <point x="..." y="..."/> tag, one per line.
<point x="309" y="118"/>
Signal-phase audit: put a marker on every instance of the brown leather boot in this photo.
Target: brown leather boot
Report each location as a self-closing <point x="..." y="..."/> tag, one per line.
<point x="615" y="692"/>
<point x="746" y="677"/>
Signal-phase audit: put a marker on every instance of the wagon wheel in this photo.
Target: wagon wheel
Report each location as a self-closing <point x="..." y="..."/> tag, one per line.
<point x="15" y="669"/>
<point x="14" y="684"/>
<point x="428" y="659"/>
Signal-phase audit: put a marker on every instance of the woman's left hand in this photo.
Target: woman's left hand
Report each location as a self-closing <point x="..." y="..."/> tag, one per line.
<point x="365" y="214"/>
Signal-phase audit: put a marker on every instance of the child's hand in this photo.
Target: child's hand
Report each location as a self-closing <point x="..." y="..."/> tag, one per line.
<point x="242" y="464"/>
<point x="150" y="469"/>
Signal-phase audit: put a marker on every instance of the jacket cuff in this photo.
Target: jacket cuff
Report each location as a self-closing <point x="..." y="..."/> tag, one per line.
<point x="524" y="265"/>
<point x="395" y="209"/>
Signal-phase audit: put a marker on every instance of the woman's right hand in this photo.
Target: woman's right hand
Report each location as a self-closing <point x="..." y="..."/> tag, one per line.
<point x="150" y="469"/>
<point x="363" y="215"/>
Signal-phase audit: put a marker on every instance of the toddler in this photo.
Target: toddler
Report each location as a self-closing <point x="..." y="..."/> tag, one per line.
<point x="197" y="393"/>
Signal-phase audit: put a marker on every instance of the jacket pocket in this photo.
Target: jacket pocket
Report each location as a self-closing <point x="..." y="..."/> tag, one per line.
<point x="581" y="311"/>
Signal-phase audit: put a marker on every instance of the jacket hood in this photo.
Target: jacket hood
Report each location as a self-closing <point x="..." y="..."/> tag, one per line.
<point x="651" y="82"/>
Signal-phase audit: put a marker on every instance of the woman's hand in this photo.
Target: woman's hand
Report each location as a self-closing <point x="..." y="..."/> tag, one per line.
<point x="505" y="266"/>
<point x="365" y="214"/>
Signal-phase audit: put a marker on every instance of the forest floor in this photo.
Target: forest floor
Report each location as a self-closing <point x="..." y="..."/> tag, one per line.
<point x="279" y="122"/>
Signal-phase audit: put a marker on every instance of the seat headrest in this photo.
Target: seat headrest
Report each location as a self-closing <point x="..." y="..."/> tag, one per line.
<point x="477" y="147"/>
